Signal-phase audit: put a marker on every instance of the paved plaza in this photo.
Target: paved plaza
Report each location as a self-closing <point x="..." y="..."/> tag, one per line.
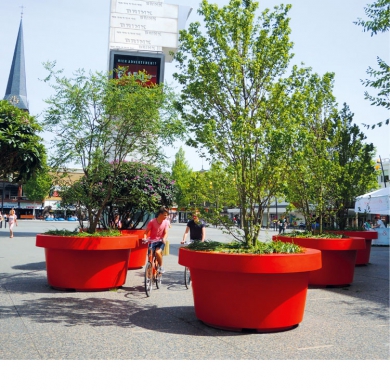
<point x="40" y="323"/>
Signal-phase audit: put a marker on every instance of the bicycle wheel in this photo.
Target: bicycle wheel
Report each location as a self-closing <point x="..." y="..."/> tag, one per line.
<point x="187" y="277"/>
<point x="158" y="276"/>
<point x="148" y="278"/>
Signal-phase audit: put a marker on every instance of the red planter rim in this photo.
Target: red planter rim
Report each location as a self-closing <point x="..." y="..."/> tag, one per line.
<point x="367" y="234"/>
<point x="309" y="260"/>
<point x="86" y="243"/>
<point x="348" y="243"/>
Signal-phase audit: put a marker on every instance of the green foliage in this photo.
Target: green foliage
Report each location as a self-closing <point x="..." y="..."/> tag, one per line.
<point x="21" y="149"/>
<point x="379" y="17"/>
<point x="235" y="101"/>
<point x="355" y="159"/>
<point x="78" y="233"/>
<point x="309" y="234"/>
<point x="182" y="174"/>
<point x="98" y="120"/>
<point x="139" y="190"/>
<point x="312" y="181"/>
<point x="378" y="14"/>
<point x="260" y="248"/>
<point x="38" y="187"/>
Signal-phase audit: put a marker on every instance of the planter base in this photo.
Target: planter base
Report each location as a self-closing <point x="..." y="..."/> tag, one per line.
<point x="247" y="330"/>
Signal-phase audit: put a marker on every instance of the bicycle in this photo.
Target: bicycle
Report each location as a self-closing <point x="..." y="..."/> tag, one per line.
<point x="152" y="275"/>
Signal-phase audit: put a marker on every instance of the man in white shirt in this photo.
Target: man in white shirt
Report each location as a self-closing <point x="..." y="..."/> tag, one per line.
<point x="379" y="223"/>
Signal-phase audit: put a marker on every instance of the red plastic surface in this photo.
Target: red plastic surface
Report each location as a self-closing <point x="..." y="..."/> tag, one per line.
<point x="79" y="263"/>
<point x="338" y="258"/>
<point x="138" y="254"/>
<point x="266" y="293"/>
<point x="363" y="255"/>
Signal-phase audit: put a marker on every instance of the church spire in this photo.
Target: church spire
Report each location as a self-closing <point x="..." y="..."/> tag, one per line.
<point x="16" y="92"/>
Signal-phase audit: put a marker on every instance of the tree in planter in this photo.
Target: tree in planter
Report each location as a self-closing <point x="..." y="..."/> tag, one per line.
<point x="312" y="182"/>
<point x="98" y="122"/>
<point x="21" y="149"/>
<point x="182" y="174"/>
<point x="236" y="102"/>
<point x="338" y="165"/>
<point x="139" y="190"/>
<point x="356" y="161"/>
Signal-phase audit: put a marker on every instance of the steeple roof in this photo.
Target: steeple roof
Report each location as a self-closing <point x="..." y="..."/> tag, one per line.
<point x="16" y="92"/>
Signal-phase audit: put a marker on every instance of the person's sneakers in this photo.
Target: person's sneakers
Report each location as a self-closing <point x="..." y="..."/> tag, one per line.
<point x="161" y="270"/>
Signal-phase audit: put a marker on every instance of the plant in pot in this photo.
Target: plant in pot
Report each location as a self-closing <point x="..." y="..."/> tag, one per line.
<point x="98" y="123"/>
<point x="238" y="104"/>
<point x="339" y="166"/>
<point x="139" y="190"/>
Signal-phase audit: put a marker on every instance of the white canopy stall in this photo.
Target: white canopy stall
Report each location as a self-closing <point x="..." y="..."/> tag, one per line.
<point x="376" y="202"/>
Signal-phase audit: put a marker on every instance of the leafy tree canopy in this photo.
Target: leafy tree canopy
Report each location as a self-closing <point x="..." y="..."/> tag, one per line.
<point x="378" y="14"/>
<point x="98" y="120"/>
<point x="238" y="98"/>
<point x="21" y="148"/>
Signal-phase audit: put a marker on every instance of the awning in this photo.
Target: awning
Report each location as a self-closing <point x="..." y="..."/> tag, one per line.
<point x="376" y="202"/>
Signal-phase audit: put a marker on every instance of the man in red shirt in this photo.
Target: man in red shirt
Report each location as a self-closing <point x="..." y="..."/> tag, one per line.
<point x="158" y="228"/>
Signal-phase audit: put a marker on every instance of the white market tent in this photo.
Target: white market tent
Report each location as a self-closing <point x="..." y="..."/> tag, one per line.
<point x="376" y="202"/>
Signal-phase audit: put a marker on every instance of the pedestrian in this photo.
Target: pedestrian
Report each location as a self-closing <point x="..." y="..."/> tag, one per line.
<point x="1" y="220"/>
<point x="116" y="223"/>
<point x="280" y="225"/>
<point x="197" y="229"/>
<point x="12" y="221"/>
<point x="379" y="223"/>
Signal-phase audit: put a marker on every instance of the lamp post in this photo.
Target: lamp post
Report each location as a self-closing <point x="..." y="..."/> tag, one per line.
<point x="383" y="172"/>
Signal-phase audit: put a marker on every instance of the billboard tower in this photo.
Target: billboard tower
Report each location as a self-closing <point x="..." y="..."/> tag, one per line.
<point x="143" y="33"/>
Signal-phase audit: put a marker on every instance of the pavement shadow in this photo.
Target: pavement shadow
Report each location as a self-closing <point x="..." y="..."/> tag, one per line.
<point x="69" y="311"/>
<point x="41" y="266"/>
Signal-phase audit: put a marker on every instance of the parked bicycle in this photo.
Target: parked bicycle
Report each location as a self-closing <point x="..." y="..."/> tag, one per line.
<point x="152" y="274"/>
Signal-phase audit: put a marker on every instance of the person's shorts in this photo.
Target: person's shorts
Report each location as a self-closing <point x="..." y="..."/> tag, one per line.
<point x="154" y="245"/>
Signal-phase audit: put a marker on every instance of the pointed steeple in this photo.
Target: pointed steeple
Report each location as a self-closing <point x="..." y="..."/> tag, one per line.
<point x="16" y="92"/>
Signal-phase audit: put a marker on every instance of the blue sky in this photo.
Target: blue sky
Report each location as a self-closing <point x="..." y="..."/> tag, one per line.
<point x="75" y="34"/>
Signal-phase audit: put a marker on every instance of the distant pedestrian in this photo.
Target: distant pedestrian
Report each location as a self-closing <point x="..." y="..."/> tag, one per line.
<point x="281" y="225"/>
<point x="12" y="221"/>
<point x="1" y="220"/>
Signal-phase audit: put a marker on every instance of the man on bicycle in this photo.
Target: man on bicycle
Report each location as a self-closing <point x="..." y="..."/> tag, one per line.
<point x="197" y="229"/>
<point x="158" y="228"/>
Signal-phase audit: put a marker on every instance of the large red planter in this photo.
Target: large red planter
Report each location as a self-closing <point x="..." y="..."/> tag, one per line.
<point x="266" y="293"/>
<point x="338" y="258"/>
<point x="138" y="254"/>
<point x="363" y="255"/>
<point x="86" y="263"/>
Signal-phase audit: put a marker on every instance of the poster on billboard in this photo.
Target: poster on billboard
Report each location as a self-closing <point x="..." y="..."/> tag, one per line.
<point x="151" y="64"/>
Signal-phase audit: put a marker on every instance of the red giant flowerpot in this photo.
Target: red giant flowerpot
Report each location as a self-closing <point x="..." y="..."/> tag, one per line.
<point x="86" y="263"/>
<point x="266" y="293"/>
<point x="363" y="255"/>
<point x="138" y="254"/>
<point x="338" y="258"/>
